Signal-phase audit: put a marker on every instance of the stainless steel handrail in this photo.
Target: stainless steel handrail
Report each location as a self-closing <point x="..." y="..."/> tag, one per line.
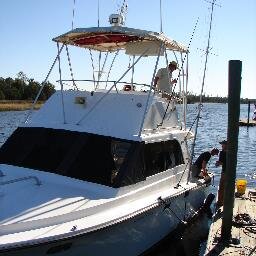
<point x="38" y="182"/>
<point x="102" y="81"/>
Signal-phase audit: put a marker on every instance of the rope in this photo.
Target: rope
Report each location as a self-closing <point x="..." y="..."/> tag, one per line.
<point x="178" y="184"/>
<point x="99" y="72"/>
<point x="93" y="69"/>
<point x="167" y="206"/>
<point x="243" y="219"/>
<point x="70" y="68"/>
<point x="62" y="96"/>
<point x="114" y="85"/>
<point x="191" y="126"/>
<point x="43" y="84"/>
<point x="102" y="69"/>
<point x="112" y="63"/>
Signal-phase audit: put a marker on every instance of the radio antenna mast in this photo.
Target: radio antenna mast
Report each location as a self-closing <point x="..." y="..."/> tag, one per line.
<point x="202" y="88"/>
<point x="73" y="14"/>
<point x="161" y="20"/>
<point x="123" y="10"/>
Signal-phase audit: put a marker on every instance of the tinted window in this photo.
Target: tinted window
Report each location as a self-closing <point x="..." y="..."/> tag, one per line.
<point x="78" y="155"/>
<point x="161" y="156"/>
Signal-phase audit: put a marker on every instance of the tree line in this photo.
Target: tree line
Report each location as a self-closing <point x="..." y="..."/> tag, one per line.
<point x="23" y="88"/>
<point x="192" y="98"/>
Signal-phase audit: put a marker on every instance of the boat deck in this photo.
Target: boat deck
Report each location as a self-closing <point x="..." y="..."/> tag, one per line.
<point x="243" y="235"/>
<point x="53" y="208"/>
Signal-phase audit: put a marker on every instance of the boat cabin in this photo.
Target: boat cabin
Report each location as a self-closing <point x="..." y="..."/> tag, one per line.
<point x="89" y="157"/>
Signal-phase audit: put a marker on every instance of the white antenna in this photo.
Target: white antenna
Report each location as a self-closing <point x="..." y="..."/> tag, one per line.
<point x="98" y="13"/>
<point x="123" y="10"/>
<point x="207" y="49"/>
<point x="161" y="22"/>
<point x="202" y="88"/>
<point x="73" y="14"/>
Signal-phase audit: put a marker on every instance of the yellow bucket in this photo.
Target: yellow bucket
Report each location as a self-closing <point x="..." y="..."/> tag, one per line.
<point x="241" y="186"/>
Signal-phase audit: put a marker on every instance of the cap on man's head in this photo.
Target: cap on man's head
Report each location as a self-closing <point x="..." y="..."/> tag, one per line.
<point x="174" y="63"/>
<point x="224" y="142"/>
<point x="214" y="151"/>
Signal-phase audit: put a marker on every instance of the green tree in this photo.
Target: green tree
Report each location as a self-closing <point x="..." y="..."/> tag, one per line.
<point x="22" y="88"/>
<point x="22" y="76"/>
<point x="2" y="97"/>
<point x="47" y="91"/>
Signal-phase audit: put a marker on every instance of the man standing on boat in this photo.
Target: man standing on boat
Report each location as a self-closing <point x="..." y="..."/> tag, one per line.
<point x="222" y="162"/>
<point x="199" y="167"/>
<point x="163" y="80"/>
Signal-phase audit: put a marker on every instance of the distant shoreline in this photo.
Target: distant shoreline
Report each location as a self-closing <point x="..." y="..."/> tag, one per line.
<point x="21" y="105"/>
<point x="18" y="105"/>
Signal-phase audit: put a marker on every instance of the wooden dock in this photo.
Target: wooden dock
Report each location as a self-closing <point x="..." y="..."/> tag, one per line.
<point x="244" y="122"/>
<point x="243" y="241"/>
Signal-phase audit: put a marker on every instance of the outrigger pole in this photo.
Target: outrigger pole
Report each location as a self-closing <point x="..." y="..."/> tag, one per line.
<point x="202" y="88"/>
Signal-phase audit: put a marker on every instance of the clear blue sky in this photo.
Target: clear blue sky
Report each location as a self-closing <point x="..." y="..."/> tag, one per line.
<point x="27" y="27"/>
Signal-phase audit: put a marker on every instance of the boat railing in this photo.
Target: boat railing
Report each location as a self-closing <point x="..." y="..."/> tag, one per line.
<point x="127" y="86"/>
<point x="38" y="182"/>
<point x="104" y="83"/>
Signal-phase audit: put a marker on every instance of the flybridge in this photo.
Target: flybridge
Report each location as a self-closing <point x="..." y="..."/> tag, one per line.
<point x="116" y="38"/>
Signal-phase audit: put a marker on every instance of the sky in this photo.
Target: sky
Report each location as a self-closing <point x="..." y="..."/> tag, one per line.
<point x="28" y="26"/>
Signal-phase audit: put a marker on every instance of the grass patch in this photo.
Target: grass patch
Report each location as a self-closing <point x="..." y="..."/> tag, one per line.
<point x="18" y="105"/>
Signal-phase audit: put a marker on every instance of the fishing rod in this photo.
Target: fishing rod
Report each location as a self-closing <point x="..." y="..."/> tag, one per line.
<point x="186" y="55"/>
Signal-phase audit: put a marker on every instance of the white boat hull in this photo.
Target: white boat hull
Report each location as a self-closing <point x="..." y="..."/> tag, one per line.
<point x="130" y="237"/>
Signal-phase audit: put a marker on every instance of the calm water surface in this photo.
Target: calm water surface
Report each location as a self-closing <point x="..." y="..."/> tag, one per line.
<point x="212" y="129"/>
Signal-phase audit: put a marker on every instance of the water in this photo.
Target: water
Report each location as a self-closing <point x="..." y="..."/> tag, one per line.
<point x="9" y="121"/>
<point x="212" y="129"/>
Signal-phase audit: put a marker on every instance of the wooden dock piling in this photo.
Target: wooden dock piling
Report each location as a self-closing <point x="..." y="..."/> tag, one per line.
<point x="234" y="88"/>
<point x="233" y="231"/>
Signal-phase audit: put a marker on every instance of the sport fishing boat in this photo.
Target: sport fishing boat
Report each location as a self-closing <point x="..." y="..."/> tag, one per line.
<point x="103" y="170"/>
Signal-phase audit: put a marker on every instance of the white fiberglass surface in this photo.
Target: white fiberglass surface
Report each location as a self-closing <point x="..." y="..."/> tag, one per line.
<point x="25" y="201"/>
<point x="8" y="234"/>
<point x="60" y="195"/>
<point x="55" y="207"/>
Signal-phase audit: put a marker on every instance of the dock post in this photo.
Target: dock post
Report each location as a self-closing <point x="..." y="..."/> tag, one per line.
<point x="234" y="88"/>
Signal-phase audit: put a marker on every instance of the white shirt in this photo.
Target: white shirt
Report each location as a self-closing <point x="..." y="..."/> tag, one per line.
<point x="163" y="83"/>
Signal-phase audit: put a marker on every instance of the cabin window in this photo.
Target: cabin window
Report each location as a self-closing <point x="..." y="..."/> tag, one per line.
<point x="119" y="150"/>
<point x="99" y="159"/>
<point x="132" y="169"/>
<point x="162" y="156"/>
<point x="83" y="156"/>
